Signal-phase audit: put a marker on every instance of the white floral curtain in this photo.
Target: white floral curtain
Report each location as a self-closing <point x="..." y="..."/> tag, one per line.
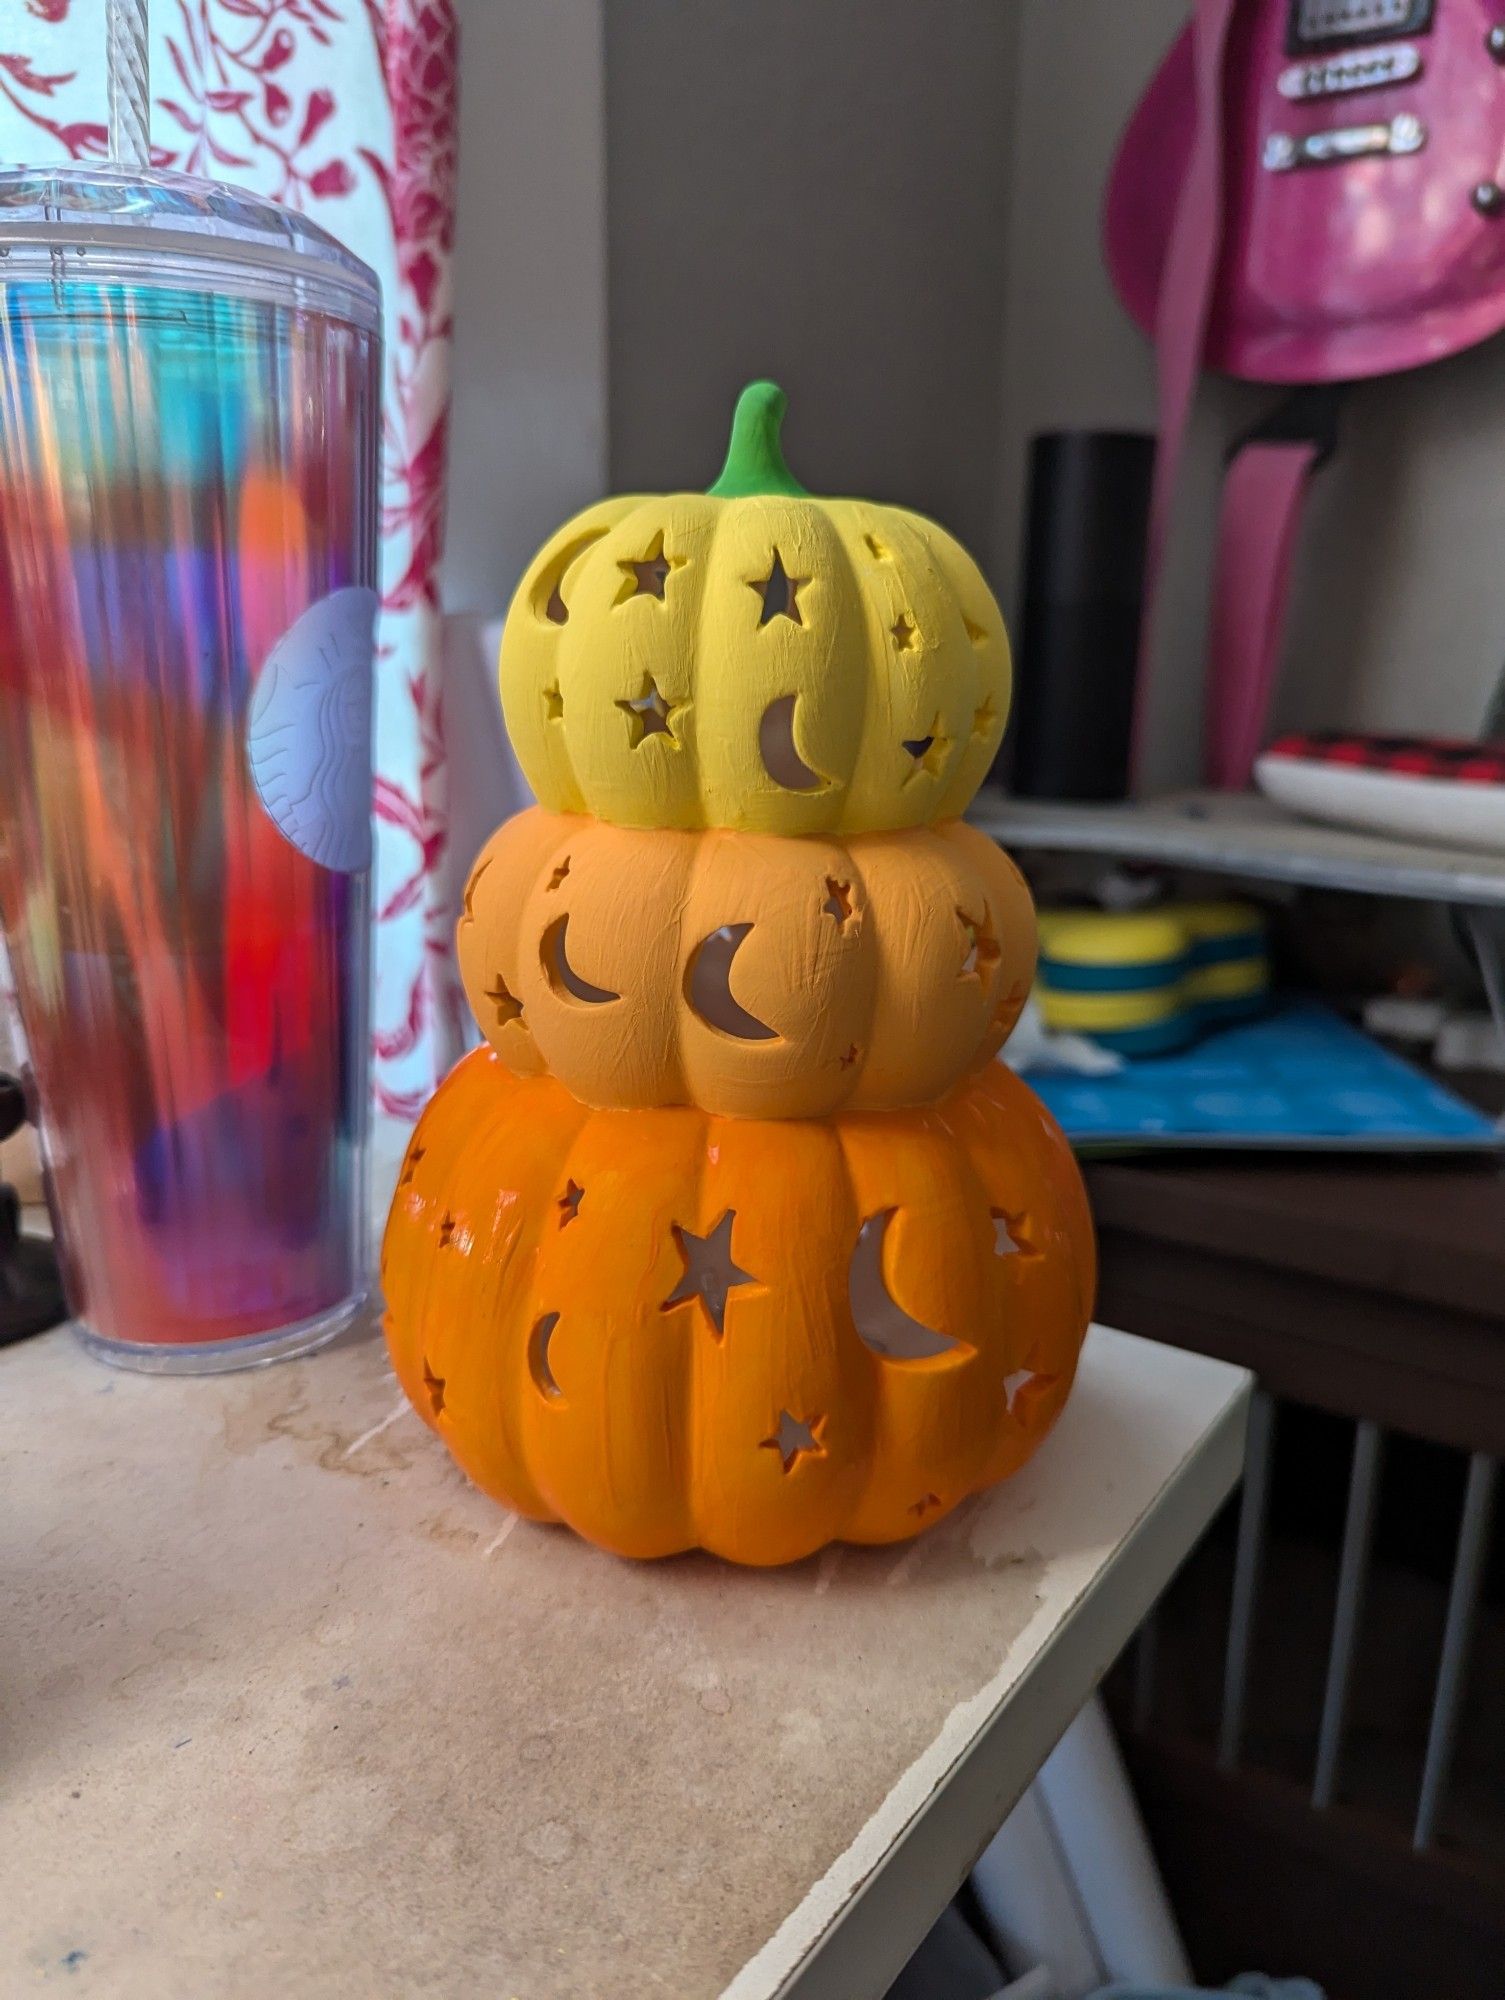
<point x="345" y="109"/>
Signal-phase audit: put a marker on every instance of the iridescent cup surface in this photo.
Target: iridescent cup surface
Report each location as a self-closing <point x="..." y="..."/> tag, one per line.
<point x="189" y="421"/>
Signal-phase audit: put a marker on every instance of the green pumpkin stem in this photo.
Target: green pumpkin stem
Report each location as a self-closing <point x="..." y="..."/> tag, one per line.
<point x="755" y="457"/>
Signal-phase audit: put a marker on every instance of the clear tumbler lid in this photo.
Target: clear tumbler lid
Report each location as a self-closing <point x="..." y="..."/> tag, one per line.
<point x="149" y="227"/>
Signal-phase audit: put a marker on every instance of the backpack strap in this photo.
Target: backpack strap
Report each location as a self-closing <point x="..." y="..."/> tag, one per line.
<point x="1181" y="313"/>
<point x="1264" y="491"/>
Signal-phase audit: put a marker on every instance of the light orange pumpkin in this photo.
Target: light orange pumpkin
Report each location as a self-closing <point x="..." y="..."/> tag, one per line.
<point x="674" y="1330"/>
<point x="750" y="974"/>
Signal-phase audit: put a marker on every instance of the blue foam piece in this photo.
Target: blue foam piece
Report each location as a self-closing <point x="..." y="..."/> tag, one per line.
<point x="1297" y="1077"/>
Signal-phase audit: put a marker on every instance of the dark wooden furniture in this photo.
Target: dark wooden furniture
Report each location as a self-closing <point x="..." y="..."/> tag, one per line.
<point x="1363" y="1291"/>
<point x="1371" y="1290"/>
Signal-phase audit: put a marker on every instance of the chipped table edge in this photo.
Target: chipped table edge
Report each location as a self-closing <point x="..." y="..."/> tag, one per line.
<point x="855" y="1928"/>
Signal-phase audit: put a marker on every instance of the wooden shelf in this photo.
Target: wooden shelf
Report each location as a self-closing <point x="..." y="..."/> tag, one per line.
<point x="1242" y="833"/>
<point x="1371" y="1289"/>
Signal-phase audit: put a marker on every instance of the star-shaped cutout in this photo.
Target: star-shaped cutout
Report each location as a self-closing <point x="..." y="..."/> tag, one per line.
<point x="410" y="1165"/>
<point x="983" y="718"/>
<point x="780" y="593"/>
<point x="838" y="901"/>
<point x="793" y="1436"/>
<point x="508" y="1006"/>
<point x="434" y="1384"/>
<point x="1009" y="1239"/>
<point x="1012" y="1384"/>
<point x="976" y="633"/>
<point x="709" y="1272"/>
<point x="926" y="1504"/>
<point x="906" y="634"/>
<point x="558" y="875"/>
<point x="553" y="703"/>
<point x="650" y="714"/>
<point x="851" y="1055"/>
<point x="647" y="576"/>
<point x="446" y="1230"/>
<point x="569" y="1202"/>
<point x="929" y="752"/>
<point x="982" y="951"/>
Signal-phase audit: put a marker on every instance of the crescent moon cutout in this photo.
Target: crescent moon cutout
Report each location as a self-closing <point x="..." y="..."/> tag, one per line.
<point x="881" y="1321"/>
<point x="781" y="760"/>
<point x="708" y="987"/>
<point x="473" y="884"/>
<point x="562" y="976"/>
<point x="549" y="602"/>
<point x="538" y="1357"/>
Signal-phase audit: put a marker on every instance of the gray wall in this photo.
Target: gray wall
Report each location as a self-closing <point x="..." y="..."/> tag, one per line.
<point x="813" y="190"/>
<point x="528" y="431"/>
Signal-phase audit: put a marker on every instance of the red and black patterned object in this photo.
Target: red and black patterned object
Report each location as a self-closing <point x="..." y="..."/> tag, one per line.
<point x="31" y="1291"/>
<point x="1461" y="762"/>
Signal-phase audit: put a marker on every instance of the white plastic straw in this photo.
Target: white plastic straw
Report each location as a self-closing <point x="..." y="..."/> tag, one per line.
<point x="128" y="74"/>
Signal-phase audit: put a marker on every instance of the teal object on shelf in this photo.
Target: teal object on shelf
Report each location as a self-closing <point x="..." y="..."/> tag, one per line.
<point x="1300" y="1077"/>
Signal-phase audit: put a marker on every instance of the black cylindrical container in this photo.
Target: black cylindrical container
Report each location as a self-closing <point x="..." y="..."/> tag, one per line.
<point x="1089" y="496"/>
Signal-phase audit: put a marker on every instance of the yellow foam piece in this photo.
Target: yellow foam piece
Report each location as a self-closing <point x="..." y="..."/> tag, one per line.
<point x="1154" y="953"/>
<point x="1112" y="937"/>
<point x="1089" y="1013"/>
<point x="1229" y="981"/>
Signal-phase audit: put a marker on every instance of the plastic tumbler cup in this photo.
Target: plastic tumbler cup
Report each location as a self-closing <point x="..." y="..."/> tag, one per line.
<point x="189" y="421"/>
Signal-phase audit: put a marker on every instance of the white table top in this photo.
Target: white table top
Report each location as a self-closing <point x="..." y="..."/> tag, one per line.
<point x="292" y="1709"/>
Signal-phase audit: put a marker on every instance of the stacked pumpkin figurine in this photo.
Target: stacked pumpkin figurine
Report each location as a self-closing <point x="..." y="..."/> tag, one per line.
<point x="735" y="1235"/>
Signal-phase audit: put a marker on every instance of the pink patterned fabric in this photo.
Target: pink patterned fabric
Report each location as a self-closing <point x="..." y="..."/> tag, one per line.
<point x="345" y="109"/>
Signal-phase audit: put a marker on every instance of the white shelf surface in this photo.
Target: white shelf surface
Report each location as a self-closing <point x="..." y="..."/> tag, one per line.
<point x="293" y="1709"/>
<point x="1242" y="833"/>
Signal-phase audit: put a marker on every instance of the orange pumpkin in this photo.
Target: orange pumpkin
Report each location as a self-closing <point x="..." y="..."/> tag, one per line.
<point x="751" y="974"/>
<point x="672" y="1330"/>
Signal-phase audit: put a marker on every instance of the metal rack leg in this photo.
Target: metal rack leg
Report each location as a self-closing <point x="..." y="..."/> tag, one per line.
<point x="1452" y="1666"/>
<point x="1353" y="1574"/>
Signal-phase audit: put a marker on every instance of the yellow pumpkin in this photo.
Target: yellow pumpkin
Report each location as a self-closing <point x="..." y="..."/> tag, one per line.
<point x="675" y="1330"/>
<point x="754" y="657"/>
<point x="744" y="973"/>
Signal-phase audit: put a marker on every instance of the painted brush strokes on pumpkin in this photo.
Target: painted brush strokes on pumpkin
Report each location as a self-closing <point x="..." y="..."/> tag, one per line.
<point x="758" y="1423"/>
<point x="861" y="973"/>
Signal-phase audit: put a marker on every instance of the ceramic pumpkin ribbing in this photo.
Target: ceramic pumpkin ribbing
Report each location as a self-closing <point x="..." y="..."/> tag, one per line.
<point x="675" y="1330"/>
<point x="759" y="1264"/>
<point x="755" y="657"/>
<point x="741" y="972"/>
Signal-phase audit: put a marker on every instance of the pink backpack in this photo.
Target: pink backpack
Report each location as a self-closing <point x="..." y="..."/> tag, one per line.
<point x="1310" y="192"/>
